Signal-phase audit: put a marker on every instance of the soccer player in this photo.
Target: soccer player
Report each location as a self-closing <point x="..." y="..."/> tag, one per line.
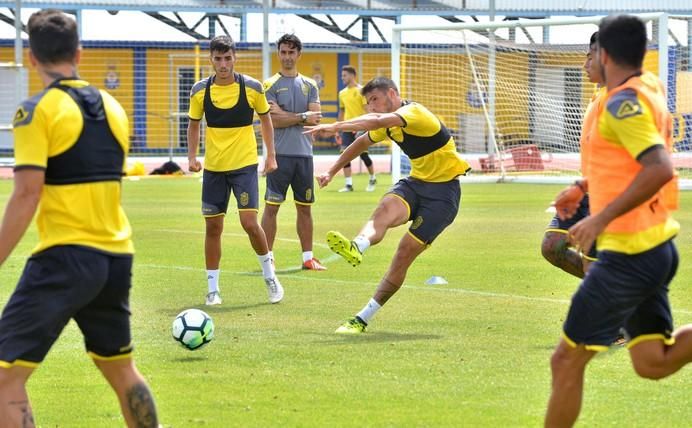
<point x="352" y="104"/>
<point x="70" y="145"/>
<point x="429" y="198"/>
<point x="228" y="101"/>
<point x="295" y="102"/>
<point x="630" y="180"/>
<point x="555" y="246"/>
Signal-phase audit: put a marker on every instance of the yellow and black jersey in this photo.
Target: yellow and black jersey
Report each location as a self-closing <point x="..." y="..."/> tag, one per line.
<point x="352" y="102"/>
<point x="80" y="136"/>
<point x="229" y="111"/>
<point x="427" y="142"/>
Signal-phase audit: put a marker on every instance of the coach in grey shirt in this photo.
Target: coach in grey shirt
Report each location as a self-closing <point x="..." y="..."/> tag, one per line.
<point x="294" y="101"/>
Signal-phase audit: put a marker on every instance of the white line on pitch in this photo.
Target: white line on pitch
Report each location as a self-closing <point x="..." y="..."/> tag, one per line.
<point x="447" y="290"/>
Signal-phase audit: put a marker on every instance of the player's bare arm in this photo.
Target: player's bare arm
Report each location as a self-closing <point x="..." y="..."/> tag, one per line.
<point x="360" y="145"/>
<point x="28" y="184"/>
<point x="657" y="170"/>
<point x="267" y="130"/>
<point x="193" y="133"/>
<point x="366" y="122"/>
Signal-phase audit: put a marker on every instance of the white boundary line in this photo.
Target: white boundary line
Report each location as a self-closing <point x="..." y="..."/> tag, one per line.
<point x="415" y="287"/>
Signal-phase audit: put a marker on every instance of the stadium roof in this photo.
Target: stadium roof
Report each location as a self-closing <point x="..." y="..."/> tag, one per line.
<point x="375" y="7"/>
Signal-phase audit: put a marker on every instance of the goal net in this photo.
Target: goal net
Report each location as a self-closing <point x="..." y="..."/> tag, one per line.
<point x="514" y="93"/>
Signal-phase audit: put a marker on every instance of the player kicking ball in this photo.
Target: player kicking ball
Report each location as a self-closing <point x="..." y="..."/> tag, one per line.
<point x="429" y="198"/>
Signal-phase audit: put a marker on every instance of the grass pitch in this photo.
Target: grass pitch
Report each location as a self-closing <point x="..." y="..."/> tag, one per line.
<point x="474" y="352"/>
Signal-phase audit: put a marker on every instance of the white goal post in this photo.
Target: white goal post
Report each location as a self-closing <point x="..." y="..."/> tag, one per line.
<point x="513" y="93"/>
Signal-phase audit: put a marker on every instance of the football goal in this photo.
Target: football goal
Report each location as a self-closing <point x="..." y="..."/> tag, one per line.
<point x="513" y="93"/>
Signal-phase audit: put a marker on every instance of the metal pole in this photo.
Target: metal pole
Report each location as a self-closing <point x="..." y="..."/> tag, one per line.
<point x="266" y="58"/>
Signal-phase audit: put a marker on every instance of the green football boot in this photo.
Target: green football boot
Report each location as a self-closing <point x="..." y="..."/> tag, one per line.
<point x="345" y="248"/>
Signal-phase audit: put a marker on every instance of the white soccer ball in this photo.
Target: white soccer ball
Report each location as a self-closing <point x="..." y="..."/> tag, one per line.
<point x="193" y="328"/>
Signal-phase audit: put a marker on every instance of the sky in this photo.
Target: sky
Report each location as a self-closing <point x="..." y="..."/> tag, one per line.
<point x="100" y="25"/>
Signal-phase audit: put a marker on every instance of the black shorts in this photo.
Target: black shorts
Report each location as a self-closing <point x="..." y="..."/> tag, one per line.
<point x="63" y="283"/>
<point x="293" y="171"/>
<point x="562" y="226"/>
<point x="217" y="187"/>
<point x="432" y="206"/>
<point x="348" y="137"/>
<point x="624" y="291"/>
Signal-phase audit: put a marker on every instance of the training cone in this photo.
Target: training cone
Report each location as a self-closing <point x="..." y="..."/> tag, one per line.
<point x="436" y="280"/>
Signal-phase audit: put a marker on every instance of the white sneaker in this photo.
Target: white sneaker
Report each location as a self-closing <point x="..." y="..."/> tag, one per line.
<point x="274" y="289"/>
<point x="346" y="188"/>
<point x="371" y="185"/>
<point x="213" y="298"/>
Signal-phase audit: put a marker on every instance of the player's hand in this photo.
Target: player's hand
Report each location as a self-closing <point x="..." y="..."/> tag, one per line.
<point x="324" y="179"/>
<point x="314" y="118"/>
<point x="270" y="165"/>
<point x="567" y="202"/>
<point x="194" y="165"/>
<point x="316" y="129"/>
<point x="583" y="234"/>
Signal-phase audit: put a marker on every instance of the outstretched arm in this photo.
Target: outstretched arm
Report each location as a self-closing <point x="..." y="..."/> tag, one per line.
<point x="359" y="146"/>
<point x="366" y="122"/>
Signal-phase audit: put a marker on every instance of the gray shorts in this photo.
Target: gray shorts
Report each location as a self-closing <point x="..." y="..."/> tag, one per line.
<point x="296" y="172"/>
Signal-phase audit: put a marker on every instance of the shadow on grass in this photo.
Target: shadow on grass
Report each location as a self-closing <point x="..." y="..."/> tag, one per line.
<point x="376" y="337"/>
<point x="189" y="359"/>
<point x="214" y="309"/>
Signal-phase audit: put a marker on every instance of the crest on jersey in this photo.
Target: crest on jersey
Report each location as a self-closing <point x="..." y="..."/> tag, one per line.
<point x="628" y="109"/>
<point x="20" y="115"/>
<point x="244" y="199"/>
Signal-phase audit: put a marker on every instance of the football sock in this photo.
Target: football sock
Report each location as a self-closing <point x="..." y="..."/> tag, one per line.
<point x="213" y="279"/>
<point x="372" y="176"/>
<point x="349" y="181"/>
<point x="267" y="265"/>
<point x="362" y="243"/>
<point x="307" y="255"/>
<point x="369" y="311"/>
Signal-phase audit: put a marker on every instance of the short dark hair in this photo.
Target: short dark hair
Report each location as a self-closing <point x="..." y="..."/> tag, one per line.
<point x="624" y="38"/>
<point x="382" y="83"/>
<point x="291" y="40"/>
<point x="349" y="69"/>
<point x="53" y="36"/>
<point x="222" y="44"/>
<point x="594" y="39"/>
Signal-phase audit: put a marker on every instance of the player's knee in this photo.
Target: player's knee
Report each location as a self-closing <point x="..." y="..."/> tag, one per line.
<point x="249" y="225"/>
<point x="551" y="248"/>
<point x="566" y="360"/>
<point x="214" y="229"/>
<point x="366" y="159"/>
<point x="650" y="370"/>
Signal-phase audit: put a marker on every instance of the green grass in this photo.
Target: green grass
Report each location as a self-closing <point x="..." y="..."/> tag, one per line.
<point x="474" y="352"/>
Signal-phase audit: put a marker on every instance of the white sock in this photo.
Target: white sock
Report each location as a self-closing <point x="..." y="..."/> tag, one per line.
<point x="362" y="243"/>
<point x="307" y="255"/>
<point x="267" y="265"/>
<point x="213" y="279"/>
<point x="372" y="176"/>
<point x="349" y="181"/>
<point x="369" y="311"/>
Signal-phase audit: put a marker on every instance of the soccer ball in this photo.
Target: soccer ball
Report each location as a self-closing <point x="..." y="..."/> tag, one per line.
<point x="193" y="328"/>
